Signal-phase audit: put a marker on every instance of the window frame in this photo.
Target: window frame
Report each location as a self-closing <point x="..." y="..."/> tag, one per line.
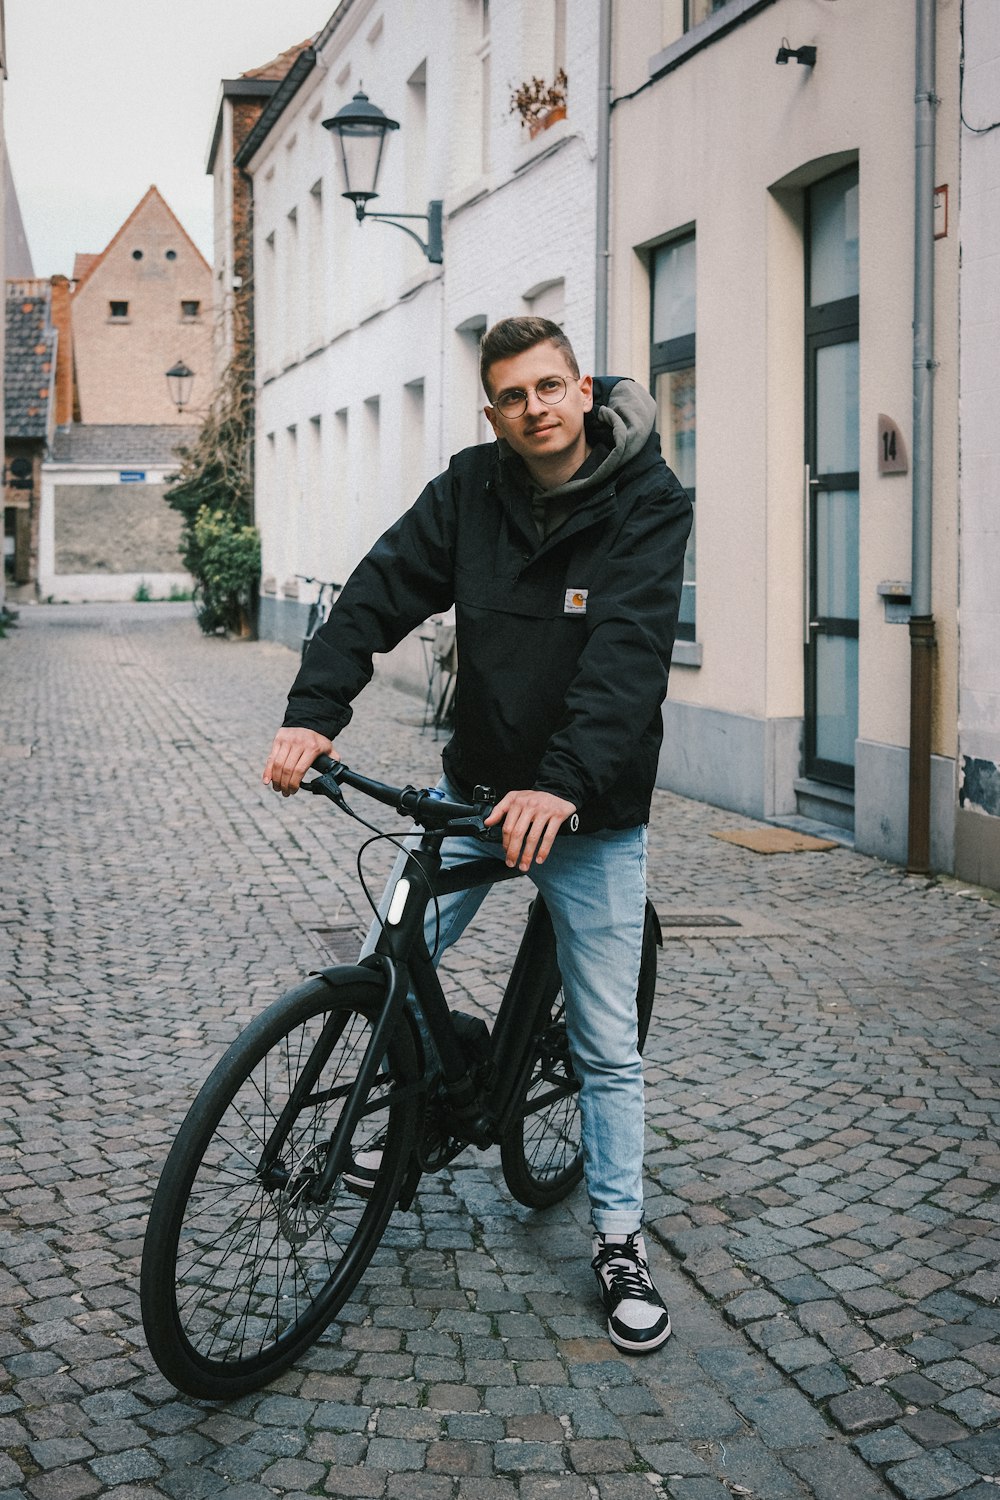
<point x="689" y="24"/>
<point x="668" y="357"/>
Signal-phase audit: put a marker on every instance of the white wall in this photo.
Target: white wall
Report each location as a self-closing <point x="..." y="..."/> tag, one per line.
<point x="361" y="341"/>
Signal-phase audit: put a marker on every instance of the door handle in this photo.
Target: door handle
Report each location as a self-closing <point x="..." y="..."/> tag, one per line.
<point x="807" y="551"/>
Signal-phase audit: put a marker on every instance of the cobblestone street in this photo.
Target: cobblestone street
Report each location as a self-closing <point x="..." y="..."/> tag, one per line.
<point x="823" y="1154"/>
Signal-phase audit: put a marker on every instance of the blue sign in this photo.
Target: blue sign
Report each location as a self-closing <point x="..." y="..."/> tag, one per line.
<point x="132" y="476"/>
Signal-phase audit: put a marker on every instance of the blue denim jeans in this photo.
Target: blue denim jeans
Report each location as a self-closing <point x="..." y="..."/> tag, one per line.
<point x="594" y="886"/>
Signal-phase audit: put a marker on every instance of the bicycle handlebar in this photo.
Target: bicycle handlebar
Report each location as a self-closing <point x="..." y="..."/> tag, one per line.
<point x="429" y="809"/>
<point x="424" y="807"/>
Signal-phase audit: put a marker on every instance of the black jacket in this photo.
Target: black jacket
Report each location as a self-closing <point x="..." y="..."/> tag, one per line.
<point x="564" y="643"/>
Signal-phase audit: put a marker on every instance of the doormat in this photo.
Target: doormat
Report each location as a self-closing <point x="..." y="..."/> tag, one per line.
<point x="775" y="840"/>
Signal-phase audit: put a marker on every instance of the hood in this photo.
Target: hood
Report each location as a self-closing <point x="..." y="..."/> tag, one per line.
<point x="623" y="416"/>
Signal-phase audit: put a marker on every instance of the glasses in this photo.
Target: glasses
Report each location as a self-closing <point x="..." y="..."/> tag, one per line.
<point x="514" y="403"/>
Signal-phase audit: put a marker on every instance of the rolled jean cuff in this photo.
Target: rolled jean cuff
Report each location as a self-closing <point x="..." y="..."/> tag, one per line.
<point x="616" y="1222"/>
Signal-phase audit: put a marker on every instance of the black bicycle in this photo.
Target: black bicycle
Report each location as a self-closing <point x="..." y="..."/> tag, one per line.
<point x="320" y="1119"/>
<point x="319" y="609"/>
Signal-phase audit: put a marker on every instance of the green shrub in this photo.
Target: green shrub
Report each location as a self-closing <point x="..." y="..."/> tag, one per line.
<point x="213" y="493"/>
<point x="223" y="554"/>
<point x="142" y="594"/>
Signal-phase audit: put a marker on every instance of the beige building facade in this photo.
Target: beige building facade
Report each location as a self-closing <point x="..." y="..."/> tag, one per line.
<point x="138" y="308"/>
<point x="977" y="824"/>
<point x="762" y="279"/>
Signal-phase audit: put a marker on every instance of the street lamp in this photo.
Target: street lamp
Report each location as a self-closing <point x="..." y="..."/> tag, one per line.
<point x="179" y="382"/>
<point x="361" y="129"/>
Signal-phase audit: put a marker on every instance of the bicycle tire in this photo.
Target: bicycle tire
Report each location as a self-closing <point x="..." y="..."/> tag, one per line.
<point x="240" y="1271"/>
<point x="542" y="1153"/>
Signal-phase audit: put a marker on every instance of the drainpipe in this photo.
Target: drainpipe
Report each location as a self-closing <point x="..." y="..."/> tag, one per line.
<point x="921" y="619"/>
<point x="603" y="186"/>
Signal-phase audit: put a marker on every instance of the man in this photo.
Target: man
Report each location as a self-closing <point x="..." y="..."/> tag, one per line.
<point x="561" y="546"/>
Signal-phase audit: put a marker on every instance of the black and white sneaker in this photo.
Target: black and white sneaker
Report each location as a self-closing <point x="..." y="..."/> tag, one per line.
<point x="638" y="1320"/>
<point x="360" y="1173"/>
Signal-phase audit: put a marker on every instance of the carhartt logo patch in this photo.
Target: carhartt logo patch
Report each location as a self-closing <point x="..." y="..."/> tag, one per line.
<point x="575" y="602"/>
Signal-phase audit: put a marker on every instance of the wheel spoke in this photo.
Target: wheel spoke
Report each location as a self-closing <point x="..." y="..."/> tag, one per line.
<point x="257" y="1266"/>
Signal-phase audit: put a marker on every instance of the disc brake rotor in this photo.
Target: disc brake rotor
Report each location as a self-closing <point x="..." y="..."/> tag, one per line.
<point x="299" y="1216"/>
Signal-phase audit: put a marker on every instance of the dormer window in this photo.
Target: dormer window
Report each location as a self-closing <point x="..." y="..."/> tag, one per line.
<point x="118" y="311"/>
<point x="190" y="311"/>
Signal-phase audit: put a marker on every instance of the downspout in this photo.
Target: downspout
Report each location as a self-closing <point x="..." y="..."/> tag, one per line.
<point x="603" y="188"/>
<point x="921" y="619"/>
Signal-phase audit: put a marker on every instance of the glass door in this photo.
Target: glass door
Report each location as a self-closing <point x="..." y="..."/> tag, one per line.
<point x="832" y="456"/>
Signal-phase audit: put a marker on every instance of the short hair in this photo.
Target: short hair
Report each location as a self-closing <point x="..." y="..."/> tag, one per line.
<point x="513" y="336"/>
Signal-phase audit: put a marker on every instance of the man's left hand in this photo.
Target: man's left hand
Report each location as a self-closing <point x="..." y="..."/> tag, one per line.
<point x="530" y="821"/>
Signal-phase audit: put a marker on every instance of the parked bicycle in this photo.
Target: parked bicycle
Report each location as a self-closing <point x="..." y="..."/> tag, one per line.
<point x="319" y="609"/>
<point x="321" y="1117"/>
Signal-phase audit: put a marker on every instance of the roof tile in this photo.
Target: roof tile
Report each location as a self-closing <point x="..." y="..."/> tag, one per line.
<point x="29" y="357"/>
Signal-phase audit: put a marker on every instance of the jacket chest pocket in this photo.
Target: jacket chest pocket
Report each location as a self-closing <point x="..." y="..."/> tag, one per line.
<point x="540" y="597"/>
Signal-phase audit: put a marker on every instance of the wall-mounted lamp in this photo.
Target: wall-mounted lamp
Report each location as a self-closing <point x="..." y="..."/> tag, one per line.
<point x="179" y="382"/>
<point x="804" y="55"/>
<point x="361" y="128"/>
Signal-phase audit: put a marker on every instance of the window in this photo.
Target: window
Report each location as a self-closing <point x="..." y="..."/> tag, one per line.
<point x="415" y="474"/>
<point x="696" y="11"/>
<point x="417" y="189"/>
<point x="547" y="301"/>
<point x="475" y="429"/>
<point x="118" y="310"/>
<point x="471" y="145"/>
<point x="315" y="311"/>
<point x="137" y="255"/>
<point x="291" y="275"/>
<point x="485" y="85"/>
<point x="832" y="454"/>
<point x="373" y="521"/>
<point x="190" y="311"/>
<point x="672" y="377"/>
<point x="543" y="40"/>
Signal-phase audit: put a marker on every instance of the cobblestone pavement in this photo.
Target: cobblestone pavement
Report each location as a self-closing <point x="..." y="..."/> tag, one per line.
<point x="823" y="1146"/>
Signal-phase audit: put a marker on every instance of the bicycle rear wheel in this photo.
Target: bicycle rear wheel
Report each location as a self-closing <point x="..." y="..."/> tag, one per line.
<point x="542" y="1153"/>
<point x="241" y="1269"/>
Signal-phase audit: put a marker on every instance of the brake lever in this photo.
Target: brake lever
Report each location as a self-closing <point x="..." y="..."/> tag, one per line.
<point x="326" y="785"/>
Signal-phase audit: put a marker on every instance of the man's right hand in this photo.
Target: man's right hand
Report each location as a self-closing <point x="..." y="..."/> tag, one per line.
<point x="292" y="753"/>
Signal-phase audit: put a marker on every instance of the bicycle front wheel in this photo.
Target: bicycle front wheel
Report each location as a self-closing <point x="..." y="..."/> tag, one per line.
<point x="542" y="1153"/>
<point x="244" y="1264"/>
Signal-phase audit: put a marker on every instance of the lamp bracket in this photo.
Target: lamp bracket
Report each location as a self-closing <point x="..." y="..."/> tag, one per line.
<point x="433" y="246"/>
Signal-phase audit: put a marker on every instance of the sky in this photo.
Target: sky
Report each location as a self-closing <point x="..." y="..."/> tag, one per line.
<point x="105" y="97"/>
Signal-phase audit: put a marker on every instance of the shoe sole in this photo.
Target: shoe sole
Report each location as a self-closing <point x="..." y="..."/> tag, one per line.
<point x="649" y="1346"/>
<point x="360" y="1186"/>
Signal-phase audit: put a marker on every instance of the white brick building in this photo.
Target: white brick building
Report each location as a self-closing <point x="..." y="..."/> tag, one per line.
<point x="367" y="354"/>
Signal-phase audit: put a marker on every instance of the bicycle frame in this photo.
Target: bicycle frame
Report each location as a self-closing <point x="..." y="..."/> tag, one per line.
<point x="402" y="956"/>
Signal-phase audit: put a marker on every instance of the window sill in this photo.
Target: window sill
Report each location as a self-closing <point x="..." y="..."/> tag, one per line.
<point x="686" y="654"/>
<point x="704" y="34"/>
<point x="533" y="147"/>
<point x="470" y="193"/>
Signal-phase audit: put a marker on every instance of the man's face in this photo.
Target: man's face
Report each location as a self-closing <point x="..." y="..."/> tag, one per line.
<point x="543" y="432"/>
